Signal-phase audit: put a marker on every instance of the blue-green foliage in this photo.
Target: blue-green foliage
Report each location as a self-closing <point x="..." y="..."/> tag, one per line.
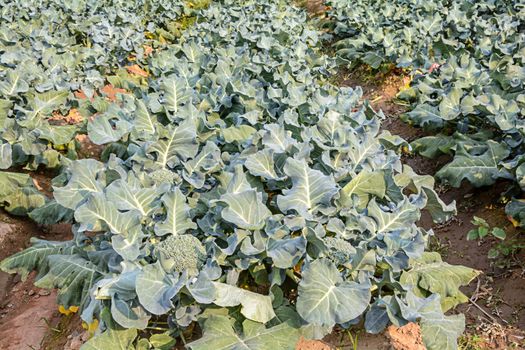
<point x="474" y="94"/>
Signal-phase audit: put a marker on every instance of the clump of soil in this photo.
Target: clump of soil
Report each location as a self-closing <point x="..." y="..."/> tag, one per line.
<point x="72" y="118"/>
<point x="304" y="344"/>
<point x="407" y="337"/>
<point x="88" y="149"/>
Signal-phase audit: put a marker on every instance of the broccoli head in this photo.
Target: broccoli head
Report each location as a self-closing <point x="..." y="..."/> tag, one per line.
<point x="181" y="253"/>
<point x="340" y="251"/>
<point x="163" y="176"/>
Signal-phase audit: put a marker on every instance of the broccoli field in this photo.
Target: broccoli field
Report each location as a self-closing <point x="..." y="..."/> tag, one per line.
<point x="239" y="174"/>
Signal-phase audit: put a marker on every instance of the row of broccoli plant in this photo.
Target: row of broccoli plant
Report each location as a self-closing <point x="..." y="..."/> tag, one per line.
<point x="243" y="192"/>
<point x="474" y="100"/>
<point x="51" y="54"/>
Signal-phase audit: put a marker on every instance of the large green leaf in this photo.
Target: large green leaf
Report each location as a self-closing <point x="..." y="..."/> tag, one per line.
<point x="178" y="220"/>
<point x="74" y="277"/>
<point x="18" y="195"/>
<point x="311" y="189"/>
<point x="13" y="84"/>
<point x="262" y="164"/>
<point x="34" y="257"/>
<point x="5" y="156"/>
<point x="480" y="170"/>
<point x="82" y="182"/>
<point x="440" y="211"/>
<point x="108" y="127"/>
<point x="245" y="209"/>
<point x="43" y="104"/>
<point x="363" y="185"/>
<point x="114" y="337"/>
<point x="255" y="306"/>
<point x="155" y="289"/>
<point x="326" y="299"/>
<point x="130" y="197"/>
<point x="176" y="93"/>
<point x="430" y="274"/>
<point x="396" y="219"/>
<point x="176" y="142"/>
<point x="219" y="334"/>
<point x="99" y="214"/>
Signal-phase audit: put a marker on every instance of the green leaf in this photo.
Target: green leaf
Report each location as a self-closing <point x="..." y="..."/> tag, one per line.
<point x="483" y="231"/>
<point x="56" y="134"/>
<point x="155" y="289"/>
<point x="430" y="274"/>
<point x="18" y="194"/>
<point x="499" y="233"/>
<point x="472" y="235"/>
<point x="219" y="334"/>
<point x="238" y="133"/>
<point x="440" y="332"/>
<point x="5" y="156"/>
<point x="51" y="213"/>
<point x="479" y="170"/>
<point x="397" y="219"/>
<point x="262" y="164"/>
<point x="310" y="191"/>
<point x="34" y="257"/>
<point x="83" y="181"/>
<point x="176" y="92"/>
<point x="42" y="105"/>
<point x="132" y="197"/>
<point x="245" y="209"/>
<point x="114" y="337"/>
<point x="325" y="299"/>
<point x="493" y="253"/>
<point x="366" y="183"/>
<point x="13" y="84"/>
<point x="255" y="306"/>
<point x="145" y="123"/>
<point x="74" y="277"/>
<point x="176" y="142"/>
<point x="440" y="211"/>
<point x="450" y="106"/>
<point x="108" y="127"/>
<point x="99" y="214"/>
<point x="178" y="219"/>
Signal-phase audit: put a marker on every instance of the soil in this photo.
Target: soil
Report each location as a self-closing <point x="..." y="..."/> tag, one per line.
<point x="406" y="337"/>
<point x="27" y="313"/>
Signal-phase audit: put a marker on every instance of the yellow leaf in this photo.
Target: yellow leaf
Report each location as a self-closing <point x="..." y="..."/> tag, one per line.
<point x="514" y="222"/>
<point x="71" y="310"/>
<point x="90" y="327"/>
<point x="136" y="70"/>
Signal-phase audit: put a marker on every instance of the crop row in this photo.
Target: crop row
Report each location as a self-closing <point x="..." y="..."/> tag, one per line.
<point x="468" y="62"/>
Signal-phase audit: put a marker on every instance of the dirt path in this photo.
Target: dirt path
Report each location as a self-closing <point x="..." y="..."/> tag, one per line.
<point x="27" y="314"/>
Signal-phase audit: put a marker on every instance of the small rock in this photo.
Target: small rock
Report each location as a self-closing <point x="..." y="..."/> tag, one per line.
<point x="10" y="306"/>
<point x="75" y="342"/>
<point x="31" y="292"/>
<point x="44" y="292"/>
